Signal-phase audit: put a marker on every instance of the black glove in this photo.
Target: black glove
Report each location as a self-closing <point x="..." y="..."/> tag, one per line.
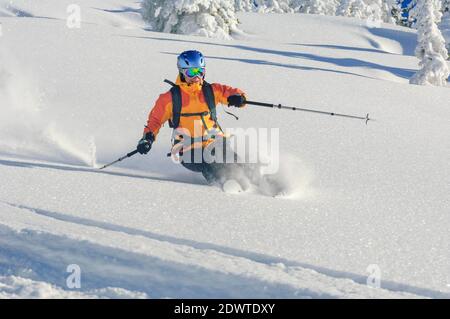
<point x="236" y="100"/>
<point x="145" y="143"/>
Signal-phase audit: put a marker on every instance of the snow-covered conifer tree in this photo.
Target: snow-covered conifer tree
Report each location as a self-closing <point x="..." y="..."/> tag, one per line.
<point x="375" y="10"/>
<point x="210" y="18"/>
<point x="326" y="7"/>
<point x="383" y="10"/>
<point x="275" y="6"/>
<point x="444" y="26"/>
<point x="431" y="45"/>
<point x="244" y="5"/>
<point x="352" y="8"/>
<point x="266" y="6"/>
<point x="392" y="11"/>
<point x="410" y="13"/>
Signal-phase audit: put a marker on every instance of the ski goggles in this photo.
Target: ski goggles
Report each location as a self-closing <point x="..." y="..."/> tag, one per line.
<point x="193" y="72"/>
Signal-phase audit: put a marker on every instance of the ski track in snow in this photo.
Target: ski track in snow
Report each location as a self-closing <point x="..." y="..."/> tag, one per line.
<point x="223" y="272"/>
<point x="39" y="244"/>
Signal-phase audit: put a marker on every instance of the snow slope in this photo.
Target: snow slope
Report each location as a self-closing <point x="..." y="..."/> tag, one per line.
<point x="360" y="195"/>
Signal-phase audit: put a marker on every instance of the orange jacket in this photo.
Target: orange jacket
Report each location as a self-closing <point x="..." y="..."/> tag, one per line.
<point x="192" y="102"/>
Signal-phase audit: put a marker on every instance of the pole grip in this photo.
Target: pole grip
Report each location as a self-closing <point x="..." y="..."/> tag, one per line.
<point x="259" y="103"/>
<point x="132" y="153"/>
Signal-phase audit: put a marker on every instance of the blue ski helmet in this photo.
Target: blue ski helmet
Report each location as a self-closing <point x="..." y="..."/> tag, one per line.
<point x="190" y="59"/>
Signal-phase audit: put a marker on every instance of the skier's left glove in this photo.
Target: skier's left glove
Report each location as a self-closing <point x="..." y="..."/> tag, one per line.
<point x="145" y="144"/>
<point x="236" y="100"/>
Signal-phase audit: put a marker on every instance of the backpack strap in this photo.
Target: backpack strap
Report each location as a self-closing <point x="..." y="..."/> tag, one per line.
<point x="175" y="91"/>
<point x="208" y="93"/>
<point x="169" y="82"/>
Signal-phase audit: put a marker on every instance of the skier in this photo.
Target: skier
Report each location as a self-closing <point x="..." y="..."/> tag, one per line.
<point x="191" y="101"/>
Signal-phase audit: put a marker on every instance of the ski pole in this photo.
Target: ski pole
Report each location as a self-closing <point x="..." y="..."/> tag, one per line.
<point x="308" y="110"/>
<point x="120" y="159"/>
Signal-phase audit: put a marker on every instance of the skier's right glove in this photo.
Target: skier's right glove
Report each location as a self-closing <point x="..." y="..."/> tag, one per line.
<point x="237" y="100"/>
<point x="145" y="143"/>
